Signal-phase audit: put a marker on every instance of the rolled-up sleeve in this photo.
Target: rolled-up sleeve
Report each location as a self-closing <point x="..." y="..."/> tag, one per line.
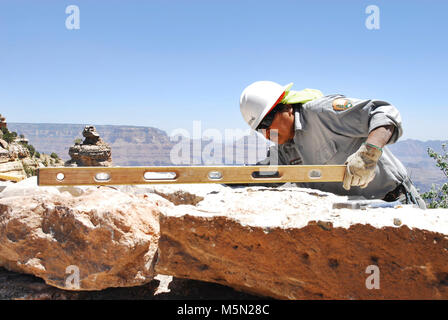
<point x="384" y="114"/>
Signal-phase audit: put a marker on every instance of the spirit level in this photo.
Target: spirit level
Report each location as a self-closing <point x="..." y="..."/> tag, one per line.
<point x="189" y="174"/>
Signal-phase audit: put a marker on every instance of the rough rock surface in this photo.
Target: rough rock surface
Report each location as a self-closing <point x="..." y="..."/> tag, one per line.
<point x="285" y="243"/>
<point x="4" y="153"/>
<point x="93" y="151"/>
<point x="289" y="243"/>
<point x="18" y="151"/>
<point x="110" y="237"/>
<point x="13" y="168"/>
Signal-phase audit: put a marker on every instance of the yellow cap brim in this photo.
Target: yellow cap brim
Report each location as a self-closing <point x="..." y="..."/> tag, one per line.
<point x="288" y="86"/>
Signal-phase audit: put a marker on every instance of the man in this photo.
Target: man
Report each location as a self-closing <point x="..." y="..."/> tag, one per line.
<point x="311" y="129"/>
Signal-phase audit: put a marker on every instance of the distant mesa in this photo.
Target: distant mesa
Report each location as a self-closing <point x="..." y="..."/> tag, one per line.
<point x="92" y="152"/>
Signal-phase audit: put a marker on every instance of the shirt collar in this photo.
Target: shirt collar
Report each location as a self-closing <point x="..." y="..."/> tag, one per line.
<point x="297" y="120"/>
<point x="298" y="126"/>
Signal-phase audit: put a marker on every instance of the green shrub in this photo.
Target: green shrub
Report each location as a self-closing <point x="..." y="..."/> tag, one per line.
<point x="30" y="148"/>
<point x="8" y="137"/>
<point x="54" y="155"/>
<point x="437" y="197"/>
<point x="28" y="170"/>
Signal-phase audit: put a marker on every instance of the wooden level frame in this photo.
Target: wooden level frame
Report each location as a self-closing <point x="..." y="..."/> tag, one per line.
<point x="64" y="176"/>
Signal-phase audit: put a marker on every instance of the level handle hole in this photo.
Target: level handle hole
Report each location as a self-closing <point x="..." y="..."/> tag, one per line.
<point x="149" y="175"/>
<point x="265" y="174"/>
<point x="315" y="174"/>
<point x="102" y="177"/>
<point x="215" y="175"/>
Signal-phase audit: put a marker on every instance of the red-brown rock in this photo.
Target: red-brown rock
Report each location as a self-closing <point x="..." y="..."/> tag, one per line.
<point x="290" y="243"/>
<point x="110" y="236"/>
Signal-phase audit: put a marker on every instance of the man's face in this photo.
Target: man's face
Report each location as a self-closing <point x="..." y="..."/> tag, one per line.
<point x="282" y="127"/>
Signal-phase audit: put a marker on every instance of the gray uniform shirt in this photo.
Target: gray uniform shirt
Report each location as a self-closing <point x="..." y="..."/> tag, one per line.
<point x="324" y="135"/>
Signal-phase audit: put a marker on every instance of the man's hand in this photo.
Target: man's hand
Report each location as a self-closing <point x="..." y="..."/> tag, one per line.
<point x="361" y="167"/>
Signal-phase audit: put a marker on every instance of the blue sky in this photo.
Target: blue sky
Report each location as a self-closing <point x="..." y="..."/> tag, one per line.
<point x="167" y="63"/>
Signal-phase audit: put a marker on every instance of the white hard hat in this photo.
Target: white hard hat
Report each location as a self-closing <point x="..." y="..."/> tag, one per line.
<point x="258" y="99"/>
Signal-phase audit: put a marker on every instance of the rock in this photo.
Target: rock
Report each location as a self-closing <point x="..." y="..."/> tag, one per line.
<point x="32" y="163"/>
<point x="21" y="140"/>
<point x="3" y="123"/>
<point x="284" y="243"/>
<point x="92" y="152"/>
<point x="4" y="184"/>
<point x="91" y="136"/>
<point x="4" y="144"/>
<point x="88" y="156"/>
<point x="176" y="193"/>
<point x="18" y="151"/>
<point x="27" y="187"/>
<point x="288" y="243"/>
<point x="4" y="155"/>
<point x="109" y="237"/>
<point x="22" y="156"/>
<point x="13" y="168"/>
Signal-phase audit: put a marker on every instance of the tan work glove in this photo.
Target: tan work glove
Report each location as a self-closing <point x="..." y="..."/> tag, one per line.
<point x="361" y="166"/>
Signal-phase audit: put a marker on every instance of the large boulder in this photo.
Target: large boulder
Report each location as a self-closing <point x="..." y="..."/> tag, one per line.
<point x="93" y="151"/>
<point x="289" y="243"/>
<point x="285" y="243"/>
<point x="107" y="237"/>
